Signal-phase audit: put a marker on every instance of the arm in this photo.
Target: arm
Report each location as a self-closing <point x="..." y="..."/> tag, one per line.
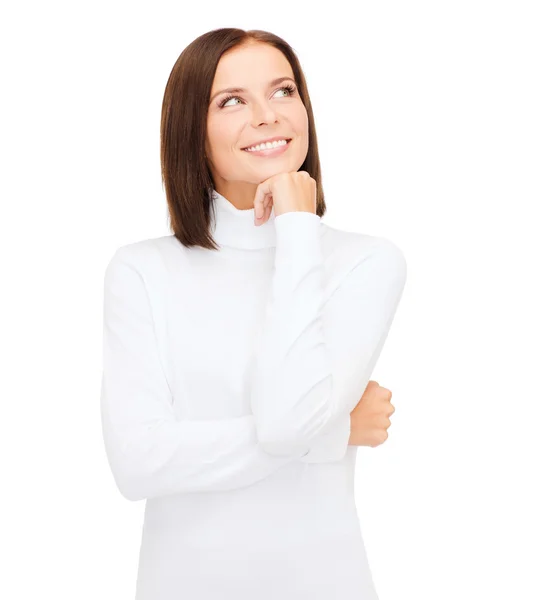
<point x="152" y="453"/>
<point x="314" y="354"/>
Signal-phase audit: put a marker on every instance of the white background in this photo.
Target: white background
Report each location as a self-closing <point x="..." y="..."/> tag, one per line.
<point x="426" y="117"/>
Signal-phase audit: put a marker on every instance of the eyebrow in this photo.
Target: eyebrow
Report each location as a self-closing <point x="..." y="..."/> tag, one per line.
<point x="238" y="90"/>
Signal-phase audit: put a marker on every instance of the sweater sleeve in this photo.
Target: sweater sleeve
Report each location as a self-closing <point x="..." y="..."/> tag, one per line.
<point x="150" y="451"/>
<point x="315" y="354"/>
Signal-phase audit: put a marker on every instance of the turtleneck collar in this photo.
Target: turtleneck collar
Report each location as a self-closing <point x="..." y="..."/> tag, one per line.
<point x="236" y="228"/>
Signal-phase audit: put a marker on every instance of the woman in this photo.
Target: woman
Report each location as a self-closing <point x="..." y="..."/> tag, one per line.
<point x="237" y="349"/>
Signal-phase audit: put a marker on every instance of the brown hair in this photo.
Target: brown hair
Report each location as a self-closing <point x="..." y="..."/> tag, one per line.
<point x="184" y="165"/>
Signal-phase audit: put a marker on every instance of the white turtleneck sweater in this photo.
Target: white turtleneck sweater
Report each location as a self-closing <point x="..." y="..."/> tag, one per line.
<point x="228" y="381"/>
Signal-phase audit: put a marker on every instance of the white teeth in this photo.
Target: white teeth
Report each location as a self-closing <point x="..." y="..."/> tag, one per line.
<point x="266" y="146"/>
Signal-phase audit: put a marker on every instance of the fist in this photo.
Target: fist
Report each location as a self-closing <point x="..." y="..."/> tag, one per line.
<point x="370" y="418"/>
<point x="286" y="192"/>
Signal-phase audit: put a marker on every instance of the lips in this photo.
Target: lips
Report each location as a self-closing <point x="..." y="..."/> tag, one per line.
<point x="265" y="141"/>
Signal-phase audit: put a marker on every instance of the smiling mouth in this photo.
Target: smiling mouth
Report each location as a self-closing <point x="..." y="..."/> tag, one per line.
<point x="287" y="140"/>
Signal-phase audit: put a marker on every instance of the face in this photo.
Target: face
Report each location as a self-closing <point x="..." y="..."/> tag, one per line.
<point x="237" y="120"/>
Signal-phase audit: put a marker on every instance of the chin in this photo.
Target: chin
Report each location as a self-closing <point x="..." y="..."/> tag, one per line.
<point x="272" y="170"/>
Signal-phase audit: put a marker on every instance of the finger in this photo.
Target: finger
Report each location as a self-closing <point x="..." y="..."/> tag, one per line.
<point x="259" y="200"/>
<point x="268" y="208"/>
<point x="262" y="219"/>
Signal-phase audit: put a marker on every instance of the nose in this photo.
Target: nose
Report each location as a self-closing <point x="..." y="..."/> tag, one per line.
<point x="263" y="113"/>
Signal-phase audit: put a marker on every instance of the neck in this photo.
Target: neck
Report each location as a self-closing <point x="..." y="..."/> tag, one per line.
<point x="235" y="227"/>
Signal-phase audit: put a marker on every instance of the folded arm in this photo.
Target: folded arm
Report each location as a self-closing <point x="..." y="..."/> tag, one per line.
<point x="312" y="365"/>
<point x="150" y="451"/>
<point x="315" y="354"/>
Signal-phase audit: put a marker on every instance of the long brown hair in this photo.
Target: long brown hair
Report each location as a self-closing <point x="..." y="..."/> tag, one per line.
<point x="185" y="170"/>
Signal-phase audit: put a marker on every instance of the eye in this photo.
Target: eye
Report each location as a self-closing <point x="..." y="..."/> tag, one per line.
<point x="226" y="99"/>
<point x="290" y="89"/>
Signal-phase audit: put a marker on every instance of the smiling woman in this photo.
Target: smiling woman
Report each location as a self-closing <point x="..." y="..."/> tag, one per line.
<point x="231" y="377"/>
<point x="229" y="90"/>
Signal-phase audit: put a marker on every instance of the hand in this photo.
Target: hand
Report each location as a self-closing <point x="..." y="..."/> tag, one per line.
<point x="286" y="192"/>
<point x="370" y="417"/>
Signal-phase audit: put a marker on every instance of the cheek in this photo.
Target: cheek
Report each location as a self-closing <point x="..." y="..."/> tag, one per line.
<point x="223" y="136"/>
<point x="300" y="126"/>
<point x="299" y="123"/>
<point x="223" y="140"/>
<point x="304" y="122"/>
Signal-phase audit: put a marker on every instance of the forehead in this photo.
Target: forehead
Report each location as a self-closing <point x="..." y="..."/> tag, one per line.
<point x="247" y="65"/>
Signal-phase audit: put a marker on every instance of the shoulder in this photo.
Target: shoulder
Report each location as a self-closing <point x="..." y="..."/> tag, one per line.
<point x="143" y="256"/>
<point x="347" y="250"/>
